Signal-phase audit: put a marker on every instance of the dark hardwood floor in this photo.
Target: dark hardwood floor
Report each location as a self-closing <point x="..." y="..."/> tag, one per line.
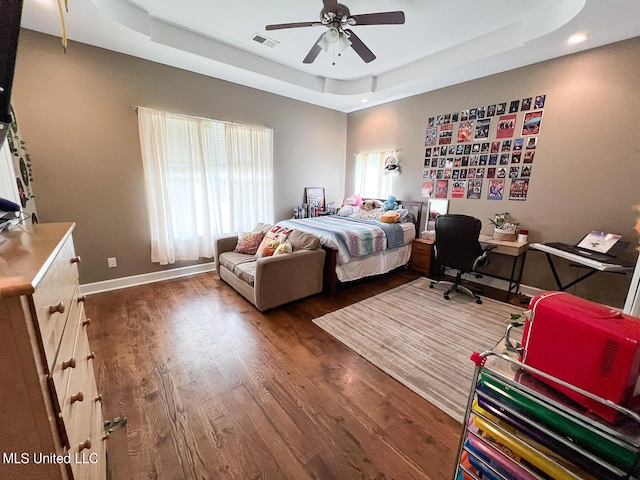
<point x="211" y="388"/>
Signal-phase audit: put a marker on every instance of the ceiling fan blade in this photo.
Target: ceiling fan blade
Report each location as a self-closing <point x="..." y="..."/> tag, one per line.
<point x="330" y="5"/>
<point x="381" y="18"/>
<point x="315" y="50"/>
<point x="280" y="26"/>
<point x="360" y="48"/>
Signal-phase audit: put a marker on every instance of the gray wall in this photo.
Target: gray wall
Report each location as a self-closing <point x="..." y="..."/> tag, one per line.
<point x="75" y="116"/>
<point x="586" y="171"/>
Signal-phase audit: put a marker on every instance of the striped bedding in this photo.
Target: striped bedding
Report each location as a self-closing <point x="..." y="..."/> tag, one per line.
<point x="351" y="237"/>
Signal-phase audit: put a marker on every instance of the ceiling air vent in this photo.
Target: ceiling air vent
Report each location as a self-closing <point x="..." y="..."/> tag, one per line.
<point x="264" y="40"/>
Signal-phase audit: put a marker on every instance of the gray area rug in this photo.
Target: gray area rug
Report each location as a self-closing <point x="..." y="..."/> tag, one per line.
<point x="422" y="340"/>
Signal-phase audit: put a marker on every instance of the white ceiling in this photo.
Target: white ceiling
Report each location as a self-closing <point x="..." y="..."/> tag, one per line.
<point x="442" y="42"/>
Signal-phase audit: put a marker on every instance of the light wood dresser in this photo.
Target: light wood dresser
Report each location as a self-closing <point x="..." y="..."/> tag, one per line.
<point x="50" y="411"/>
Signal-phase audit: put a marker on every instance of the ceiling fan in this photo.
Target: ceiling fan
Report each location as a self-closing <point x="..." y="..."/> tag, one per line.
<point x="337" y="18"/>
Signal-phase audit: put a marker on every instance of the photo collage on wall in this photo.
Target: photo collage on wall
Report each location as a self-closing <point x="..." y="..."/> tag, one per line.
<point x="464" y="151"/>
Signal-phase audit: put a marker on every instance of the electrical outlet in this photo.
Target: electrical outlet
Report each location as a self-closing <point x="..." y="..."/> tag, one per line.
<point x="112" y="262"/>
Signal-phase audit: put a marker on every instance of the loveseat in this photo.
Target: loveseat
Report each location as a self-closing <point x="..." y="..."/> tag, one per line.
<point x="271" y="281"/>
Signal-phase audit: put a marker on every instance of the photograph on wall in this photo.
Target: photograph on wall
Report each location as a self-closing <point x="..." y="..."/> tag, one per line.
<point x="501" y="172"/>
<point x="496" y="189"/>
<point x="528" y="156"/>
<point x="532" y="142"/>
<point x="514" y="172"/>
<point x="491" y="172"/>
<point x="526" y="104"/>
<point x="491" y="110"/>
<point x="458" y="188"/>
<point x="430" y="137"/>
<point x="506" y="126"/>
<point x="501" y="109"/>
<point x="446" y="132"/>
<point x="431" y="122"/>
<point x="482" y="129"/>
<point x="514" y="106"/>
<point x="526" y="171"/>
<point x="474" y="188"/>
<point x="531" y="123"/>
<point x="464" y="131"/>
<point x="518" y="189"/>
<point x="442" y="188"/>
<point x="427" y="188"/>
<point x="539" y="103"/>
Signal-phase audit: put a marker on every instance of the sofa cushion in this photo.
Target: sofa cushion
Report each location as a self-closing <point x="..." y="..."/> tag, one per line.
<point x="246" y="272"/>
<point x="303" y="240"/>
<point x="230" y="260"/>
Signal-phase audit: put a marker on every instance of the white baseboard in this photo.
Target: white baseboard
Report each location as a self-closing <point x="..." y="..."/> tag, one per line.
<point x="124" y="282"/>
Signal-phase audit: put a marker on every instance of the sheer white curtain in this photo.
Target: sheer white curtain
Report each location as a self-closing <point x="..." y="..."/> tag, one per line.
<point x="197" y="182"/>
<point x="370" y="180"/>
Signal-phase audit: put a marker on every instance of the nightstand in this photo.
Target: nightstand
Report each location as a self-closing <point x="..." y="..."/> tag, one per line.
<point x="421" y="253"/>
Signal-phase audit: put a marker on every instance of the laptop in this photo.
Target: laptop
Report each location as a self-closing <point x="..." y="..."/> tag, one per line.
<point x="599" y="246"/>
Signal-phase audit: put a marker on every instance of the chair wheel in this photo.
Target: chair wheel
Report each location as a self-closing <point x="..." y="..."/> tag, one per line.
<point x="446" y="297"/>
<point x="478" y="301"/>
<point x="431" y="285"/>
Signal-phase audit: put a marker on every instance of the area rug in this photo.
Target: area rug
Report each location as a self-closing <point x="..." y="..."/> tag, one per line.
<point x="422" y="340"/>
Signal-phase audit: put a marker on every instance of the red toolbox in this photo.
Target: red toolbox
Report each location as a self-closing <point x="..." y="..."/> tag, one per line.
<point x="591" y="346"/>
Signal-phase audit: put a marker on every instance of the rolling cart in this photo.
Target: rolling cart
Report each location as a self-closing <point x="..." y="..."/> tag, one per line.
<point x="518" y="427"/>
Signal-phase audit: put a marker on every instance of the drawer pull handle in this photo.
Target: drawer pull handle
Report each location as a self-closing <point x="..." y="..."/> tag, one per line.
<point x="105" y="436"/>
<point x="59" y="308"/>
<point x="82" y="298"/>
<point x="78" y="397"/>
<point x="85" y="444"/>
<point x="98" y="398"/>
<point x="91" y="356"/>
<point x="71" y="363"/>
<point x="76" y="259"/>
<point x="86" y="321"/>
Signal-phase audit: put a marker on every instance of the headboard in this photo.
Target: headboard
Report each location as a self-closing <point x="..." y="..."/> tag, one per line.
<point x="414" y="207"/>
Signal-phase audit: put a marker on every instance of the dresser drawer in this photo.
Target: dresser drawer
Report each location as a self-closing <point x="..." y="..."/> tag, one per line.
<point x="66" y="360"/>
<point x="53" y="296"/>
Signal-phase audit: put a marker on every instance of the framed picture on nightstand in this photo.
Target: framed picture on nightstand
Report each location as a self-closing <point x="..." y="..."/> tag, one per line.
<point x="315" y="198"/>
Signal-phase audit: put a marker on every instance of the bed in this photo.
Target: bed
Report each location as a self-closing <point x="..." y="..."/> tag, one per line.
<point x="360" y="247"/>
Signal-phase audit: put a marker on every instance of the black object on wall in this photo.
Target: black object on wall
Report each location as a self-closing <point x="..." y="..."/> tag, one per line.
<point x="10" y="16"/>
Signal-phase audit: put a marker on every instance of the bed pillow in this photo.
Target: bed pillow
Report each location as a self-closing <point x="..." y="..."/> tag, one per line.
<point x="347" y="210"/>
<point x="248" y="242"/>
<point x="272" y="240"/>
<point x="373" y="214"/>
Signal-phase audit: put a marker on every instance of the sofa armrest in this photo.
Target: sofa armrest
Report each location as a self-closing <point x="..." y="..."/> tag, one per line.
<point x="283" y="278"/>
<point x="226" y="243"/>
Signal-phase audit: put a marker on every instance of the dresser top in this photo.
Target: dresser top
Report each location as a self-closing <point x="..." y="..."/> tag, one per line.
<point x="26" y="252"/>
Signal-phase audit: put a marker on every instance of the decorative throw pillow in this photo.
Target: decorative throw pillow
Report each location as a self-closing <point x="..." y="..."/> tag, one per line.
<point x="390" y="216"/>
<point x="272" y="239"/>
<point x="248" y="242"/>
<point x="355" y="200"/>
<point x="283" y="248"/>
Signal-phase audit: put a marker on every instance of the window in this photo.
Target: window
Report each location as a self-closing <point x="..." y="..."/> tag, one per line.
<point x="203" y="178"/>
<point x="370" y="181"/>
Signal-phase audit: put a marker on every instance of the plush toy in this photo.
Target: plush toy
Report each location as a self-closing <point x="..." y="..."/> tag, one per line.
<point x="353" y="200"/>
<point x="391" y="203"/>
<point x="371" y="204"/>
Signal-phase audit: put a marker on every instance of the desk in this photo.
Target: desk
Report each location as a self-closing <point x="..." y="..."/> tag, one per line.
<point x="517" y="250"/>
<point x="593" y="265"/>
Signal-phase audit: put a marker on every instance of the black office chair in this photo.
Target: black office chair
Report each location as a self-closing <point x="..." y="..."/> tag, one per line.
<point x="457" y="247"/>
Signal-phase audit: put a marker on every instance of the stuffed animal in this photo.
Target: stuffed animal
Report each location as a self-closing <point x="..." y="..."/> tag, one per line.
<point x="391" y="203"/>
<point x="371" y="204"/>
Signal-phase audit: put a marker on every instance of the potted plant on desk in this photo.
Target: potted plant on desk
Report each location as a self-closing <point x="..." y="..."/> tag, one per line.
<point x="503" y="229"/>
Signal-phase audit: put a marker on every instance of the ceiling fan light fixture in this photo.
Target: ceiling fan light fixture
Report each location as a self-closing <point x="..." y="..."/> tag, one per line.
<point x="332" y="35"/>
<point x="344" y="42"/>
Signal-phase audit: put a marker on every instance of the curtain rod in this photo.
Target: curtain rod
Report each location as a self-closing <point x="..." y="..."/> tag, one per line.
<point x="135" y="109"/>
